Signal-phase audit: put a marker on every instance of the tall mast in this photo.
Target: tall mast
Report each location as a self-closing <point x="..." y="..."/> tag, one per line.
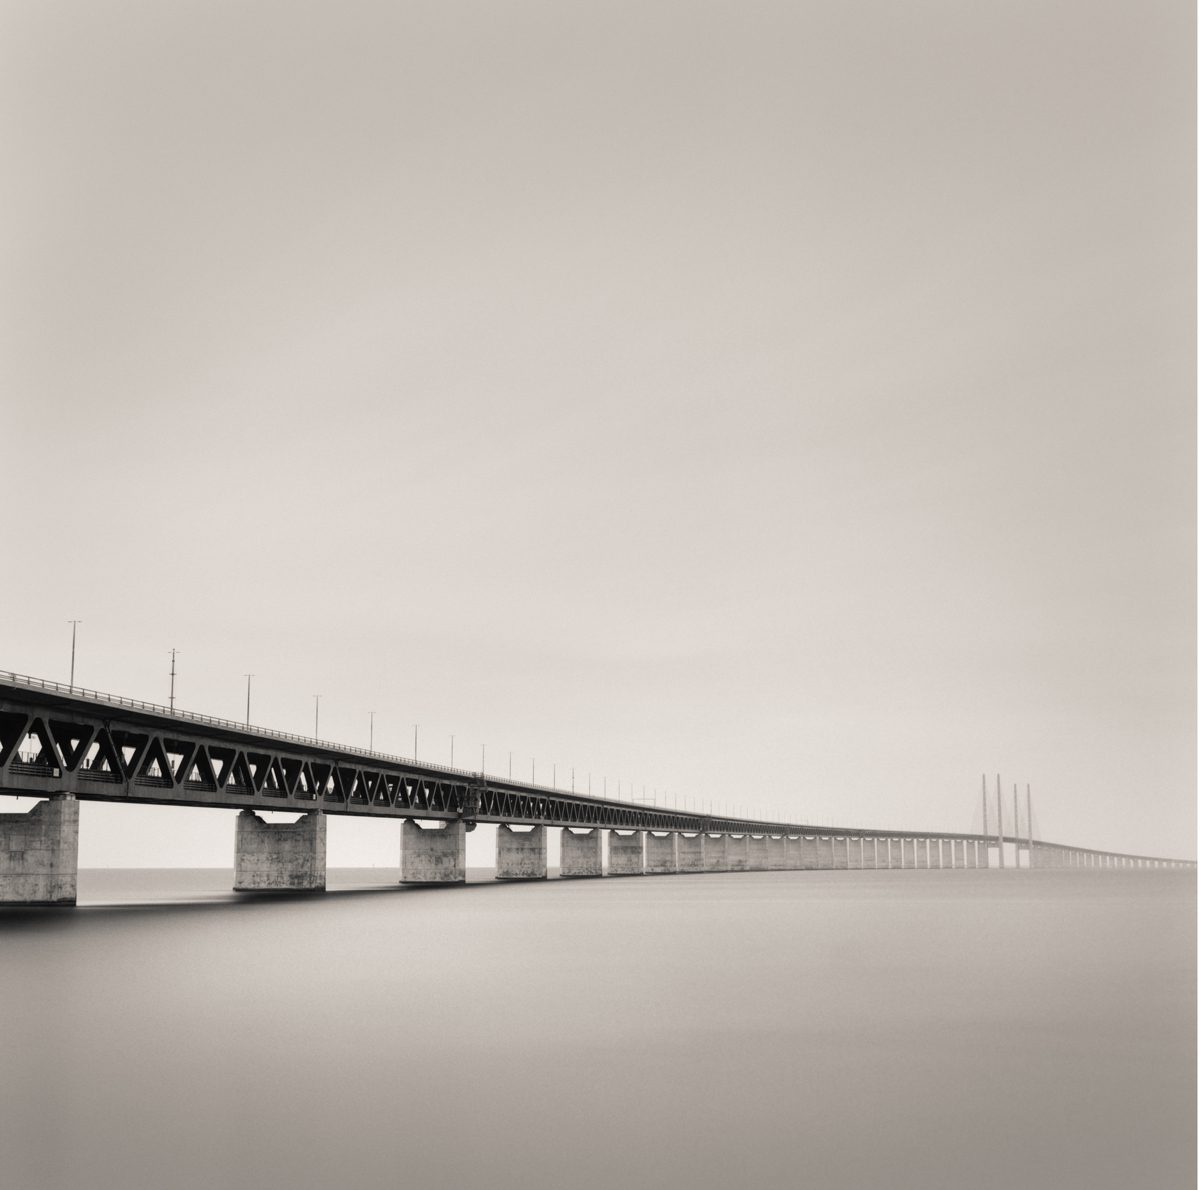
<point x="1016" y="829"/>
<point x="999" y="820"/>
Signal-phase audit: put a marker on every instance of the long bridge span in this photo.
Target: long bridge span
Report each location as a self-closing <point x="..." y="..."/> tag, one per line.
<point x="67" y="744"/>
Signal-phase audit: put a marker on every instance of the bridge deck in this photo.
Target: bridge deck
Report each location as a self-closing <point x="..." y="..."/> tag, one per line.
<point x="101" y="747"/>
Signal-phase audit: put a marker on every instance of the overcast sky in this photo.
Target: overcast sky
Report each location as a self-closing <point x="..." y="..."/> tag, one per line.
<point x="786" y="404"/>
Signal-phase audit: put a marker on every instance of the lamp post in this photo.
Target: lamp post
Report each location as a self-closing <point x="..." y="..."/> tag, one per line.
<point x="248" y="677"/>
<point x="371" y="745"/>
<point x="74" y="624"/>
<point x="452" y="751"/>
<point x="316" y="716"/>
<point x="171" y="701"/>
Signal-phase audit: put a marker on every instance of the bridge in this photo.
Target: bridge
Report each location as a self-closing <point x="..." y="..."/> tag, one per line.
<point x="67" y="744"/>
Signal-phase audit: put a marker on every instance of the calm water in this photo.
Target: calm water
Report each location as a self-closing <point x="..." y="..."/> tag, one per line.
<point x="824" y="1029"/>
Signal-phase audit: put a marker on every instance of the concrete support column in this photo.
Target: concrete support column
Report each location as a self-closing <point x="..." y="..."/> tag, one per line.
<point x="868" y="853"/>
<point x="809" y="858"/>
<point x="520" y="855"/>
<point x="626" y="855"/>
<point x="279" y="856"/>
<point x="661" y="856"/>
<point x="581" y="853"/>
<point x="433" y="854"/>
<point x="825" y="852"/>
<point x="922" y="853"/>
<point x="854" y="854"/>
<point x="960" y="858"/>
<point x="737" y="853"/>
<point x="776" y="849"/>
<point x="895" y="854"/>
<point x="689" y="853"/>
<point x="39" y="853"/>
<point x="985" y="853"/>
<point x="908" y="854"/>
<point x="883" y="853"/>
<point x="972" y="853"/>
<point x="714" y="853"/>
<point x="841" y="853"/>
<point x="756" y="846"/>
<point x="935" y="853"/>
<point x="791" y="852"/>
<point x="947" y="853"/>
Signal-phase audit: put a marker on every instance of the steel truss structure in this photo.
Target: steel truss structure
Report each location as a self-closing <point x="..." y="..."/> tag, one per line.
<point x="99" y="747"/>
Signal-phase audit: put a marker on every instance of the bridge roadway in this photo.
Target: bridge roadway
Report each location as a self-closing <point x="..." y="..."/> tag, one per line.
<point x="69" y="744"/>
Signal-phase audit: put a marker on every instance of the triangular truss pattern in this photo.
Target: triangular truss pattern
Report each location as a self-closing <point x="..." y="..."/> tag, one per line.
<point x="101" y="752"/>
<point x="201" y="776"/>
<point x="12" y="732"/>
<point x="101" y="761"/>
<point x="72" y="740"/>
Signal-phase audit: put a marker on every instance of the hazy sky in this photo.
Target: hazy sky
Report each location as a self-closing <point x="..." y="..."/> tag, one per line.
<point x="789" y="404"/>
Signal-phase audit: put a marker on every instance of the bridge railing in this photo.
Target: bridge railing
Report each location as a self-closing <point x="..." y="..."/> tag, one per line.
<point x="137" y="704"/>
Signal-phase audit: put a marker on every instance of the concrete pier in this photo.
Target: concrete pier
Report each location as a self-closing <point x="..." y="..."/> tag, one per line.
<point x="841" y="853"/>
<point x="909" y="853"/>
<point x="626" y="855"/>
<point x="972" y="853"/>
<point x="922" y="853"/>
<point x="737" y="853"/>
<point x="714" y="853"/>
<point x="39" y="853"/>
<point x="808" y="852"/>
<point x="689" y="853"/>
<point x="960" y="859"/>
<point x="776" y="849"/>
<point x="983" y="852"/>
<point x="662" y="857"/>
<point x="756" y="845"/>
<point x="520" y="855"/>
<point x="279" y="856"/>
<point x="581" y="853"/>
<point x="854" y="854"/>
<point x="825" y="852"/>
<point x="868" y="853"/>
<point x="433" y="854"/>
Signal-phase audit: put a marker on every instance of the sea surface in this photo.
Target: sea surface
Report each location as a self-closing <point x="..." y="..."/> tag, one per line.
<point x="970" y="1029"/>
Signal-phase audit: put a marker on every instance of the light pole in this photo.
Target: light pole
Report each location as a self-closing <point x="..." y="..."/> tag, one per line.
<point x="510" y="766"/>
<point x="172" y="698"/>
<point x="416" y="726"/>
<point x="74" y="624"/>
<point x="371" y="745"/>
<point x="316" y="716"/>
<point x="248" y="677"/>
<point x="482" y="759"/>
<point x="452" y="751"/>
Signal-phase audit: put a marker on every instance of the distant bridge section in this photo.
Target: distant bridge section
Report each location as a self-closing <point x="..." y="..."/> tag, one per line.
<point x="70" y="744"/>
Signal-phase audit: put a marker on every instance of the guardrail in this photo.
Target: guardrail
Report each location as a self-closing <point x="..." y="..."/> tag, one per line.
<point x="119" y="700"/>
